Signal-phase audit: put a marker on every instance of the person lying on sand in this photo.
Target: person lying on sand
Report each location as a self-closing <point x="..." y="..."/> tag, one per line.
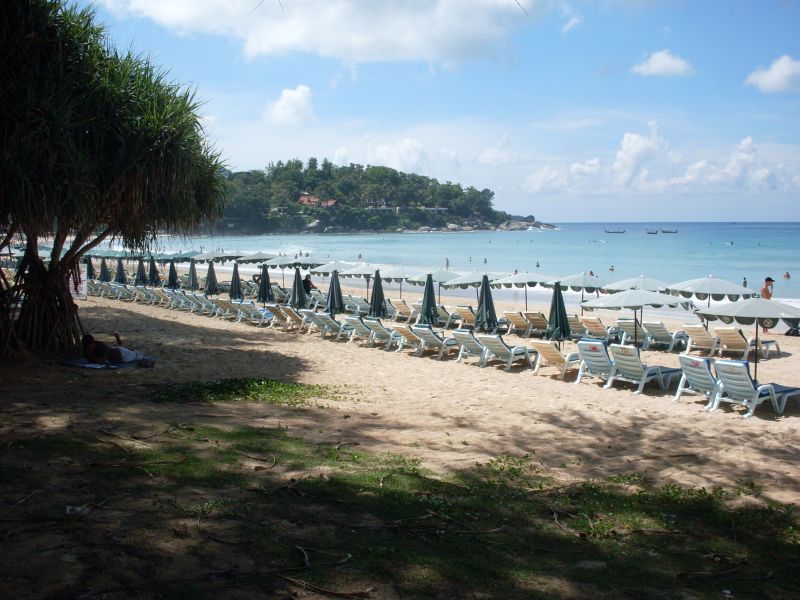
<point x="99" y="352"/>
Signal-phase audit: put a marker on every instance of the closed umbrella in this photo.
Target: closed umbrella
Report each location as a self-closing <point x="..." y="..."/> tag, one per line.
<point x="264" y="287"/>
<point x="334" y="303"/>
<point x="486" y="317"/>
<point x="377" y="303"/>
<point x="105" y="276"/>
<point x="90" y="274"/>
<point x="429" y="315"/>
<point x="194" y="285"/>
<point x="119" y="277"/>
<point x="764" y="313"/>
<point x="172" y="280"/>
<point x="152" y="277"/>
<point x="298" y="297"/>
<point x="141" y="275"/>
<point x="236" y="283"/>
<point x="558" y="327"/>
<point x="212" y="287"/>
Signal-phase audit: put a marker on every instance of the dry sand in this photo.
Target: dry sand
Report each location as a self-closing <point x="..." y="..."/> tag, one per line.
<point x="446" y="414"/>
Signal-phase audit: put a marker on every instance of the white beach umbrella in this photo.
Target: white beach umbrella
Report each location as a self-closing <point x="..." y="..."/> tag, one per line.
<point x="364" y="270"/>
<point x="437" y="275"/>
<point x="399" y="273"/>
<point x="522" y="280"/>
<point x="642" y="282"/>
<point x="330" y="267"/>
<point x="218" y="256"/>
<point x="764" y="313"/>
<point x="709" y="288"/>
<point x="578" y="282"/>
<point x="473" y="279"/>
<point x="258" y="257"/>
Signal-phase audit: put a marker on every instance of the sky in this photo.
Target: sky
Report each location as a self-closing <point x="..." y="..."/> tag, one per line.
<point x="602" y="110"/>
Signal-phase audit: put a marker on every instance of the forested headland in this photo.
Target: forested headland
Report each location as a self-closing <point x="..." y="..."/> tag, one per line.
<point x="322" y="197"/>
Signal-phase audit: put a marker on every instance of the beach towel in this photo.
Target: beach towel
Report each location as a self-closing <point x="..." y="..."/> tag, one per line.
<point x="83" y="363"/>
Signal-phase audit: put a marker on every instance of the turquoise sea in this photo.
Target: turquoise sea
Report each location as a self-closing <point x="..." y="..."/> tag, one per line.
<point x="732" y="251"/>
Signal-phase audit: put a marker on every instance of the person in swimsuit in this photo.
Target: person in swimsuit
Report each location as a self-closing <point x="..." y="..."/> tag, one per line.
<point x="99" y="352"/>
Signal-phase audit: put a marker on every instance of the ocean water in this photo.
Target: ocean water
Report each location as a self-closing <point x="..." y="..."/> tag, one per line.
<point x="731" y="251"/>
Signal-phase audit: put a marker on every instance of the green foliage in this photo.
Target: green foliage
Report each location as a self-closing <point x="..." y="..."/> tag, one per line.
<point x="268" y="391"/>
<point x="367" y="198"/>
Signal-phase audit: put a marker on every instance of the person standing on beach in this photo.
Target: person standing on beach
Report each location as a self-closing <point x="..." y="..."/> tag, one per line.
<point x="446" y="263"/>
<point x="744" y="282"/>
<point x="766" y="294"/>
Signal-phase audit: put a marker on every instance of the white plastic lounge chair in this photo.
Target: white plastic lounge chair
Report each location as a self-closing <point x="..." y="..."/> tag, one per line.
<point x="358" y="330"/>
<point x="576" y="328"/>
<point x="660" y="335"/>
<point x="317" y="299"/>
<point x="433" y="341"/>
<point x="207" y="306"/>
<point x="733" y="340"/>
<point x="628" y="366"/>
<point x="313" y="324"/>
<point x="400" y="310"/>
<point x="296" y="320"/>
<point x="537" y="321"/>
<point x="737" y="387"/>
<point x="516" y="322"/>
<point x="280" y="294"/>
<point x="357" y="305"/>
<point x="331" y="325"/>
<point x="700" y="339"/>
<point x="697" y="378"/>
<point x="162" y="298"/>
<point x="497" y="348"/>
<point x="251" y="313"/>
<point x="469" y="346"/>
<point x="446" y="317"/>
<point x="595" y="361"/>
<point x="416" y="311"/>
<point x="595" y="328"/>
<point x="279" y="318"/>
<point x="408" y="337"/>
<point x="225" y="309"/>
<point x="548" y="353"/>
<point x="631" y="329"/>
<point x="380" y="333"/>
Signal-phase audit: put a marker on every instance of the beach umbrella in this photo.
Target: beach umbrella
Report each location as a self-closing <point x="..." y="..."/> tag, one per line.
<point x="90" y="274"/>
<point x="236" y="284"/>
<point x="428" y="315"/>
<point x="282" y="262"/>
<point x="264" y="287"/>
<point x="334" y="303"/>
<point x="105" y="276"/>
<point x="474" y="279"/>
<point x="185" y="255"/>
<point x="119" y="276"/>
<point x="438" y="276"/>
<point x="486" y="317"/>
<point x="193" y="283"/>
<point x="218" y="256"/>
<point x="377" y="303"/>
<point x="172" y="280"/>
<point x="361" y="270"/>
<point x="399" y="274"/>
<point x="298" y="297"/>
<point x="329" y="267"/>
<point x="635" y="300"/>
<point x="212" y="287"/>
<point x="522" y="280"/>
<point x="579" y="282"/>
<point x="141" y="276"/>
<point x="636" y="283"/>
<point x="558" y="323"/>
<point x="258" y="257"/>
<point x="152" y="277"/>
<point x="764" y="313"/>
<point x="710" y="288"/>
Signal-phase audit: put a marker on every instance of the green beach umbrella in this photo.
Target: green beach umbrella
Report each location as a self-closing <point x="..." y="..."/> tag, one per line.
<point x="264" y="286"/>
<point x="236" y="283"/>
<point x="90" y="274"/>
<point x="428" y="314"/>
<point x="105" y="276"/>
<point x="334" y="303"/>
<point x="152" y="277"/>
<point x="558" y="329"/>
<point x="193" y="283"/>
<point x="377" y="303"/>
<point x="486" y="317"/>
<point x="212" y="287"/>
<point x="119" y="276"/>
<point x="141" y="275"/>
<point x="172" y="279"/>
<point x="298" y="297"/>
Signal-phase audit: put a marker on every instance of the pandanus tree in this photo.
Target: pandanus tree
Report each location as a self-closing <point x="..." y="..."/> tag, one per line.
<point x="95" y="145"/>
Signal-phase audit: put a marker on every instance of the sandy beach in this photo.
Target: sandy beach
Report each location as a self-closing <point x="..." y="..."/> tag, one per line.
<point x="446" y="414"/>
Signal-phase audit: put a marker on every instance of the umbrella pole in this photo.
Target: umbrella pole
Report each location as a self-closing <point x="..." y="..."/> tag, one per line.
<point x="526" y="297"/>
<point x="581" y="301"/>
<point x="755" y="363"/>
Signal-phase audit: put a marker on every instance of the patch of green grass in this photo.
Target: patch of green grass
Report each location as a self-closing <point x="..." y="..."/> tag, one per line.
<point x="268" y="391"/>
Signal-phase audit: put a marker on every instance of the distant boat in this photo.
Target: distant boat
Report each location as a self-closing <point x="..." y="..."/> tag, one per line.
<point x="651" y="230"/>
<point x="665" y="230"/>
<point x="614" y="230"/>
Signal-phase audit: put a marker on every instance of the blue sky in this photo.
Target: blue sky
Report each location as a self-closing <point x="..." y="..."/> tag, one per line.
<point x="572" y="111"/>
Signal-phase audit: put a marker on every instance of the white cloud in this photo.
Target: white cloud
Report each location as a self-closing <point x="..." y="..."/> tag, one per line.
<point x="293" y="107"/>
<point x="438" y="31"/>
<point x="783" y="75"/>
<point x="589" y="167"/>
<point x="663" y="64"/>
<point x="547" y="179"/>
<point x="634" y="152"/>
<point x="497" y="155"/>
<point x="341" y="157"/>
<point x="571" y="18"/>
<point x="406" y="155"/>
